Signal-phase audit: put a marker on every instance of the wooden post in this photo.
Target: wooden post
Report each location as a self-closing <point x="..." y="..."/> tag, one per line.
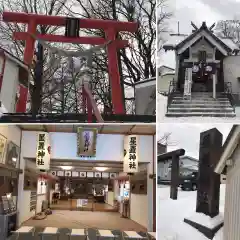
<point x="174" y="177"/>
<point x="214" y="85"/>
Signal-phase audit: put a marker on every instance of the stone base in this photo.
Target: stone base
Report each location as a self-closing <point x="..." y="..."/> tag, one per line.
<point x="205" y="230"/>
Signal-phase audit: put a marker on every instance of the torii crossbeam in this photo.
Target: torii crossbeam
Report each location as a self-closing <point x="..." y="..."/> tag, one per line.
<point x="110" y="28"/>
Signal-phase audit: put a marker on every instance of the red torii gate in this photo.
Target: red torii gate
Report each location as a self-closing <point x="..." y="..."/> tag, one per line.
<point x="110" y="27"/>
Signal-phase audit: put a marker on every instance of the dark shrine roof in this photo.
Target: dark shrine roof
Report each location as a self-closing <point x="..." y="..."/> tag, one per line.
<point x="180" y="40"/>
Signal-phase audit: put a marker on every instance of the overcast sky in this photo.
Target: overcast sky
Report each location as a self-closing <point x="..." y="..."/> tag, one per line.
<point x="198" y="11"/>
<point x="187" y="136"/>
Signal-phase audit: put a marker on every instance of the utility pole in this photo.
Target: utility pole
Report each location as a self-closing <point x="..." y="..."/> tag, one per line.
<point x="37" y="88"/>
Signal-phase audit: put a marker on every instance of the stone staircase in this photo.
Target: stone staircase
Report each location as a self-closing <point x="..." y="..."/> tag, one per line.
<point x="200" y="104"/>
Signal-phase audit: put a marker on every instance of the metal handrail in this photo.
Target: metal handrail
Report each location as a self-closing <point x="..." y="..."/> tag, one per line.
<point x="171" y="92"/>
<point x="228" y="92"/>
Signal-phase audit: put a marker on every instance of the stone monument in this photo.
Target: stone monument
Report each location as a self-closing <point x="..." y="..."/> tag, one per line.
<point x="208" y="192"/>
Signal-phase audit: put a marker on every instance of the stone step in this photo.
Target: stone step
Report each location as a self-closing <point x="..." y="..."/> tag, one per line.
<point x="201" y="94"/>
<point x="200" y="105"/>
<point x="202" y="98"/>
<point x="193" y="110"/>
<point x="200" y="114"/>
<point x="200" y="101"/>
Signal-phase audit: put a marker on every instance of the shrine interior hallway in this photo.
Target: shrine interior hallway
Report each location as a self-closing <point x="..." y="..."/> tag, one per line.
<point x="65" y="220"/>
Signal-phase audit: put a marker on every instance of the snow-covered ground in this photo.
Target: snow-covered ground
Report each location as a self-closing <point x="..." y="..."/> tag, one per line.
<point x="162" y="109"/>
<point x="171" y="213"/>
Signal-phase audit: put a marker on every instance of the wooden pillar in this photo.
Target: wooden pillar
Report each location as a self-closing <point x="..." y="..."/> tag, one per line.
<point x="174" y="177"/>
<point x="114" y="76"/>
<point x="214" y="85"/>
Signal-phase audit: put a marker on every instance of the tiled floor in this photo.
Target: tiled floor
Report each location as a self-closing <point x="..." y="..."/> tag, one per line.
<point x="63" y="236"/>
<point x="66" y="220"/>
<point x="85" y="219"/>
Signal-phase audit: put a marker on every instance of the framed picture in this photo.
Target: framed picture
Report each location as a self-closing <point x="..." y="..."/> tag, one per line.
<point x="86" y="142"/>
<point x="13" y="154"/>
<point x="3" y="142"/>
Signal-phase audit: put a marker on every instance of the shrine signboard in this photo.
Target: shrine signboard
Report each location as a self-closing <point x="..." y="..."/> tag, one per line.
<point x="43" y="151"/>
<point x="131" y="158"/>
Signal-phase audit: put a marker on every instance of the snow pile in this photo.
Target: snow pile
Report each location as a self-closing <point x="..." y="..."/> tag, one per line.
<point x="205" y="220"/>
<point x="171" y="214"/>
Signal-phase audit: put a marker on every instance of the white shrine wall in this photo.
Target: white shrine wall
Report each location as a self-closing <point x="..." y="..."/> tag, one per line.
<point x="64" y="146"/>
<point x="231" y="68"/>
<point x="9" y="85"/>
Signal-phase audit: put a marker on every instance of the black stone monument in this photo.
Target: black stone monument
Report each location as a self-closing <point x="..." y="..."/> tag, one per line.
<point x="208" y="192"/>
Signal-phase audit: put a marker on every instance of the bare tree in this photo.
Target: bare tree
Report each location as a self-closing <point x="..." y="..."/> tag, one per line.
<point x="137" y="62"/>
<point x="44" y="7"/>
<point x="163" y="15"/>
<point x="165" y="140"/>
<point x="229" y="29"/>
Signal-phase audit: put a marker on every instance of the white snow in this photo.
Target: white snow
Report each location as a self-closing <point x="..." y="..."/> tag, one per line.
<point x="171" y="214"/>
<point x="205" y="220"/>
<point x="162" y="109"/>
<point x="175" y="39"/>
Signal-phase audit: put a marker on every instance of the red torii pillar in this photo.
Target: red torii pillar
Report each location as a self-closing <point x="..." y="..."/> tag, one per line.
<point x="110" y="27"/>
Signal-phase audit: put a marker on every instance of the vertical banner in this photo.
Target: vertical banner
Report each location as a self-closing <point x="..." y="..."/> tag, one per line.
<point x="43" y="151"/>
<point x="131" y="153"/>
<point x="86" y="142"/>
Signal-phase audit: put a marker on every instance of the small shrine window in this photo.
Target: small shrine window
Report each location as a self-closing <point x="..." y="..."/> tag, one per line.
<point x="202" y="56"/>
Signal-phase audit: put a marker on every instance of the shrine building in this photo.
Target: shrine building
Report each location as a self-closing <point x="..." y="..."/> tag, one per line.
<point x="206" y="81"/>
<point x="73" y="181"/>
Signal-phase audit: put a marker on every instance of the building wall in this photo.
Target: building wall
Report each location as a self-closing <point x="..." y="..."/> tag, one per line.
<point x="64" y="146"/>
<point x="142" y="99"/>
<point x="164" y="168"/>
<point x="13" y="134"/>
<point x="232" y="199"/>
<point x="139" y="210"/>
<point x="163" y="82"/>
<point x="24" y="208"/>
<point x="202" y="46"/>
<point x="9" y="85"/>
<point x="110" y="198"/>
<point x="164" y="171"/>
<point x="232" y="72"/>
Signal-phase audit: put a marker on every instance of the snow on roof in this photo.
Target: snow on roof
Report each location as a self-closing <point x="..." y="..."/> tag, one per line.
<point x="168" y="73"/>
<point x="175" y="39"/>
<point x="229" y="42"/>
<point x="191" y="158"/>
